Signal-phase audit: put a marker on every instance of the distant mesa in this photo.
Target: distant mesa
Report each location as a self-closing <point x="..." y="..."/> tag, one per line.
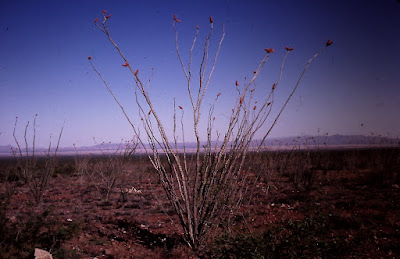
<point x="331" y="141"/>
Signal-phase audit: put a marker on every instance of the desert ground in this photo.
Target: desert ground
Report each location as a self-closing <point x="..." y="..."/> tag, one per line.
<point x="311" y="204"/>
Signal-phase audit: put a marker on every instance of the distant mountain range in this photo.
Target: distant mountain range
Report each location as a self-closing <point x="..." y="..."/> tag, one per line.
<point x="328" y="140"/>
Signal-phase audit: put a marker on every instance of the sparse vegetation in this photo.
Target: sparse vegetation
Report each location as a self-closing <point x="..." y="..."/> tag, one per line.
<point x="345" y="214"/>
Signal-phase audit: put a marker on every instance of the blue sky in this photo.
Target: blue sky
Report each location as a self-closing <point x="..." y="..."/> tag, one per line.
<point x="44" y="68"/>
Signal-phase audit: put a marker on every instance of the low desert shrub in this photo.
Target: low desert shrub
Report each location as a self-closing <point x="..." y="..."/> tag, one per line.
<point x="106" y="172"/>
<point x="20" y="235"/>
<point x="308" y="238"/>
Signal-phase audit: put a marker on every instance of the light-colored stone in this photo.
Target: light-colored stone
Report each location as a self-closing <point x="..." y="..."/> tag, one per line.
<point x="42" y="254"/>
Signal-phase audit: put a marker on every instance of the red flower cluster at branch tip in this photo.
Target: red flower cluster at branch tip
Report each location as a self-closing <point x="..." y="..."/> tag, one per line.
<point x="236" y="83"/>
<point x="289" y="49"/>
<point x="176" y="19"/>
<point x="329" y="42"/>
<point x="108" y="16"/>
<point x="197" y="27"/>
<point x="255" y="107"/>
<point x="270" y="50"/>
<point x="180" y="107"/>
<point x="218" y="94"/>
<point x="96" y="20"/>
<point x="104" y="12"/>
<point x="126" y="64"/>
<point x="255" y="72"/>
<point x="273" y="86"/>
<point x="241" y="100"/>
<point x="89" y="58"/>
<point x="211" y="20"/>
<point x="136" y="72"/>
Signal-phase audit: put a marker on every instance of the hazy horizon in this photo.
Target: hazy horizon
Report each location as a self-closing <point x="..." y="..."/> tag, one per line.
<point x="352" y="89"/>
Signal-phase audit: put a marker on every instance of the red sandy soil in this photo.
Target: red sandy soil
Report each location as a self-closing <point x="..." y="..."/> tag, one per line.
<point x="359" y="216"/>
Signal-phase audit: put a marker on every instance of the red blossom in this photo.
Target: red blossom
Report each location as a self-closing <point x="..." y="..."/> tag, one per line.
<point x="197" y="27"/>
<point x="89" y="58"/>
<point x="126" y="64"/>
<point x="104" y="11"/>
<point x="255" y="72"/>
<point x="329" y="42"/>
<point x="241" y="100"/>
<point x="273" y="86"/>
<point x="289" y="49"/>
<point x="136" y="72"/>
<point x="108" y="16"/>
<point x="180" y="107"/>
<point x="236" y="83"/>
<point x="218" y="94"/>
<point x="96" y="20"/>
<point x="255" y="107"/>
<point x="176" y="19"/>
<point x="211" y="20"/>
<point x="270" y="50"/>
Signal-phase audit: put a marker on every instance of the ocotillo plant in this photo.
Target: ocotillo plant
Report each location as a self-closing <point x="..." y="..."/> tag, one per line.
<point x="206" y="192"/>
<point x="35" y="176"/>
